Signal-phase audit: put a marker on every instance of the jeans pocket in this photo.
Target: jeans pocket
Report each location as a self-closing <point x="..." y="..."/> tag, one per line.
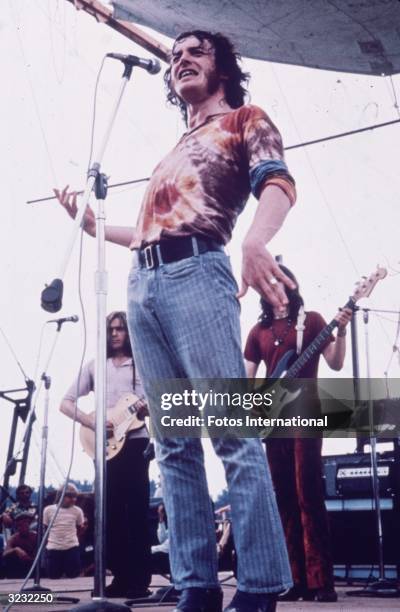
<point x="133" y="275"/>
<point x="182" y="269"/>
<point x="220" y="274"/>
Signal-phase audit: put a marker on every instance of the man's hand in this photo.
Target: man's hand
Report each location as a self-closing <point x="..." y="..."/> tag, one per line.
<point x="81" y="529"/>
<point x="68" y="202"/>
<point x="7" y="520"/>
<point x="141" y="409"/>
<point x="261" y="272"/>
<point x="109" y="429"/>
<point x="343" y="317"/>
<point x="21" y="554"/>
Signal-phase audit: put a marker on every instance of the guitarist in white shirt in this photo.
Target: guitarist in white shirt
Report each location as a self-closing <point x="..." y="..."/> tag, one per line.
<point x="127" y="485"/>
<point x="295" y="463"/>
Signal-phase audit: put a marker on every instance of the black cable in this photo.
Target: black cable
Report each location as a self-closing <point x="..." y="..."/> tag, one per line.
<point x="133" y="182"/>
<point x="342" y="134"/>
<point x="14" y="355"/>
<point x="396" y="103"/>
<point x="94" y="111"/>
<point x="289" y="148"/>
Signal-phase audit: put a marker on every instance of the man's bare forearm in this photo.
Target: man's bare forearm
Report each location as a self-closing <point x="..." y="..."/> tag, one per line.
<point x="271" y="212"/>
<point x="335" y="353"/>
<point x="259" y="267"/>
<point x="251" y="368"/>
<point x="68" y="408"/>
<point x="121" y="235"/>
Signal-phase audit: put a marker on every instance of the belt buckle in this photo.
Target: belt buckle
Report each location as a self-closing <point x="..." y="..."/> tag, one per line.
<point x="148" y="257"/>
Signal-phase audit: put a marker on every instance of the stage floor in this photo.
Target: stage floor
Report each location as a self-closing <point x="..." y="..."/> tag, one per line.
<point x="81" y="588"/>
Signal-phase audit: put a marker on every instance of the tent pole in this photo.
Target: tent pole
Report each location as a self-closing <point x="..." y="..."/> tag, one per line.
<point x="131" y="31"/>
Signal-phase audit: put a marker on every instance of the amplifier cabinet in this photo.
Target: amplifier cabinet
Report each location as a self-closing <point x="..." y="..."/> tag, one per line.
<point x="349" y="476"/>
<point x="351" y="511"/>
<point x="353" y="530"/>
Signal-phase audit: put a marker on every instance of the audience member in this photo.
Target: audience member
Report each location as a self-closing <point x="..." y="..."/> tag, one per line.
<point x="21" y="548"/>
<point x="62" y="549"/>
<point x="162" y="533"/>
<point x="23" y="504"/>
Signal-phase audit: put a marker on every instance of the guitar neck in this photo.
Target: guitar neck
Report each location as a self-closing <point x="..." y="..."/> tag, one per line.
<point x="315" y="347"/>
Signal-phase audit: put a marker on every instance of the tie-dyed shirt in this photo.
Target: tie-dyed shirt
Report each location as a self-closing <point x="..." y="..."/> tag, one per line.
<point x="203" y="184"/>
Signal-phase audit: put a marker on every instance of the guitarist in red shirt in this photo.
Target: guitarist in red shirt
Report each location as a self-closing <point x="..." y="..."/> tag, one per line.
<point x="295" y="463"/>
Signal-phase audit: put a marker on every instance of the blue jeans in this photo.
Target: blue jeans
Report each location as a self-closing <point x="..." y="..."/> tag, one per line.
<point x="184" y="323"/>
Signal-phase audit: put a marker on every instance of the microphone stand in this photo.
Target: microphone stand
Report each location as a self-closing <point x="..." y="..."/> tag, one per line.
<point x="37" y="587"/>
<point x="95" y="178"/>
<point x="381" y="587"/>
<point x="356" y="369"/>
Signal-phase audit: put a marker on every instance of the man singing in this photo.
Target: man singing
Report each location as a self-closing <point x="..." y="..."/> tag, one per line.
<point x="183" y="310"/>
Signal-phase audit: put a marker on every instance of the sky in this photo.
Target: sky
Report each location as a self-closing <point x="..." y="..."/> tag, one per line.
<point x="345" y="222"/>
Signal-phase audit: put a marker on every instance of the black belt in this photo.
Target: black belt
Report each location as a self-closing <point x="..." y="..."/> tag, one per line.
<point x="174" y="249"/>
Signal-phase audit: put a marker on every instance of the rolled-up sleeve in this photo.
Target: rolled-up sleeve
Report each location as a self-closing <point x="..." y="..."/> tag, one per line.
<point x="83" y="384"/>
<point x="265" y="154"/>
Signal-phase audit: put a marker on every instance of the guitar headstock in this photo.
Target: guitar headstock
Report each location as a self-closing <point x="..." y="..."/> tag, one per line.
<point x="365" y="286"/>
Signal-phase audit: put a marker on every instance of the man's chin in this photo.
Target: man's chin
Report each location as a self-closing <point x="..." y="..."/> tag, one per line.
<point x="191" y="93"/>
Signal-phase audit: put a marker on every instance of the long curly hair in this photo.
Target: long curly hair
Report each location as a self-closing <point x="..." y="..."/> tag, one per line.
<point x="295" y="301"/>
<point x="226" y="63"/>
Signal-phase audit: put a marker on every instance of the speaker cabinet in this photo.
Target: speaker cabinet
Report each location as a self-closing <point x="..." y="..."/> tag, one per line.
<point x="352" y="517"/>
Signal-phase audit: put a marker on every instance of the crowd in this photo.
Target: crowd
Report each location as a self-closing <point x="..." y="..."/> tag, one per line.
<point x="69" y="546"/>
<point x="65" y="549"/>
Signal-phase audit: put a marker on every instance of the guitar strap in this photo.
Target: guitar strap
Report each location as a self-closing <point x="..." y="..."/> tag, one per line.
<point x="300" y="327"/>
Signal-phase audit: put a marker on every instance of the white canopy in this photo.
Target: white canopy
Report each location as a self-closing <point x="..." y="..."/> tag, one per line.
<point x="343" y="35"/>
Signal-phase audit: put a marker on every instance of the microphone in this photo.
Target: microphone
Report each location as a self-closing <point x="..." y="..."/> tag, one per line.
<point x="152" y="66"/>
<point x="72" y="319"/>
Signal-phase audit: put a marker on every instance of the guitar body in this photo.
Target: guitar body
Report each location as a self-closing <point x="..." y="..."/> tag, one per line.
<point x="124" y="419"/>
<point x="281" y="396"/>
<point x="283" y="364"/>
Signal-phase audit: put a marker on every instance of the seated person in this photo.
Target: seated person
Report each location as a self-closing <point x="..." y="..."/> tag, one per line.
<point x="225" y="547"/>
<point x="62" y="548"/>
<point x="23" y="504"/>
<point x="160" y="551"/>
<point x="160" y="559"/>
<point x="162" y="532"/>
<point x="21" y="548"/>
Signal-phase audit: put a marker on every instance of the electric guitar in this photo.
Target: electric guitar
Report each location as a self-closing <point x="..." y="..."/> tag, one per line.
<point x="288" y="367"/>
<point x="124" y="419"/>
